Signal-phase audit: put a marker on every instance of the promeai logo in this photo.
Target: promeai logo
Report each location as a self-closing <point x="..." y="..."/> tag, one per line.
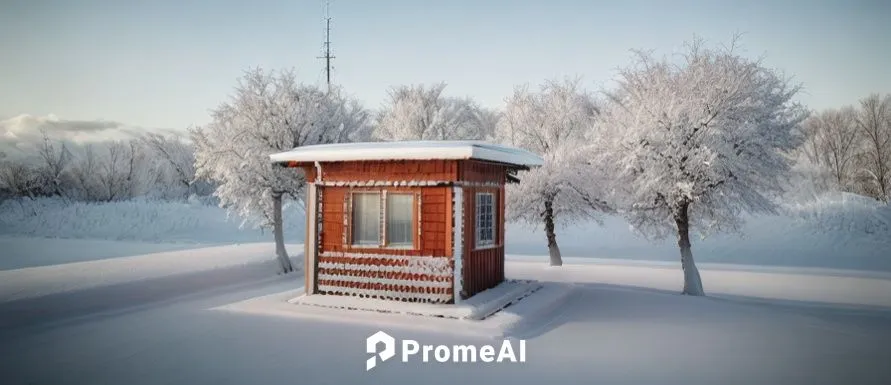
<point x="412" y="349"/>
<point x="386" y="353"/>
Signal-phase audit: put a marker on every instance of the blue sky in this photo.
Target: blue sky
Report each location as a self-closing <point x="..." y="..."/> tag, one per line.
<point x="164" y="64"/>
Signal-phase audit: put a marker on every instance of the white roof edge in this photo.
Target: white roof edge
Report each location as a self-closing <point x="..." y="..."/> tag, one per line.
<point x="410" y="150"/>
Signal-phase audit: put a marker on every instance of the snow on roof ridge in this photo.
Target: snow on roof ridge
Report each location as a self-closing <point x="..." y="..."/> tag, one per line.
<point x="411" y="150"/>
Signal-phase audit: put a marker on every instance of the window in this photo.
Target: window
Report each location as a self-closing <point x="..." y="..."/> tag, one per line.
<point x="399" y="212"/>
<point x="485" y="219"/>
<point x="366" y="219"/>
<point x="373" y="213"/>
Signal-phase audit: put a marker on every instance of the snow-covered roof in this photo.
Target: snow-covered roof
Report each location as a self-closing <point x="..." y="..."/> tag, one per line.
<point x="411" y="150"/>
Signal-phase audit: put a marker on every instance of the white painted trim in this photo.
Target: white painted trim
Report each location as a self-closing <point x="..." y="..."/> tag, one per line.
<point x="458" y="241"/>
<point x="420" y="209"/>
<point x="311" y="248"/>
<point x="382" y="221"/>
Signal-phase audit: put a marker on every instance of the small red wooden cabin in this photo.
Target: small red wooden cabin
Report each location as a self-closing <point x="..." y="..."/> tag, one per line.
<point x="414" y="221"/>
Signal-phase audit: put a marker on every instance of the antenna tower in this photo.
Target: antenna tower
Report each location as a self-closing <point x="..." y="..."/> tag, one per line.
<point x="327" y="45"/>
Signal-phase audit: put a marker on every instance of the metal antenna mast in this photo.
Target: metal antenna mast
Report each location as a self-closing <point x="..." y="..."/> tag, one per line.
<point x="327" y="56"/>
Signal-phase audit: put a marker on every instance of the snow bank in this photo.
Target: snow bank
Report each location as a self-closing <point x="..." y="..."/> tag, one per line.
<point x="136" y="220"/>
<point x="20" y="252"/>
<point x="838" y="231"/>
<point x="46" y="280"/>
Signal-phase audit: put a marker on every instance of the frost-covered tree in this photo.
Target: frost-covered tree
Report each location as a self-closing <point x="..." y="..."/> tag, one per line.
<point x="833" y="141"/>
<point x="874" y="121"/>
<point x="53" y="165"/>
<point x="176" y="163"/>
<point x="488" y="120"/>
<point x="18" y="178"/>
<point x="551" y="122"/>
<point x="269" y="112"/>
<point x="120" y="172"/>
<point x="420" y="112"/>
<point x="698" y="141"/>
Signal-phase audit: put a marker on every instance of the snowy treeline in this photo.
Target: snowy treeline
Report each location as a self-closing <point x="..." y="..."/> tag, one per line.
<point x="849" y="148"/>
<point x="152" y="165"/>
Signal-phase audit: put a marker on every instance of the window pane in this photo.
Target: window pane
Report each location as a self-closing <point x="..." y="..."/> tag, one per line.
<point x="366" y="219"/>
<point x="399" y="218"/>
<point x="485" y="219"/>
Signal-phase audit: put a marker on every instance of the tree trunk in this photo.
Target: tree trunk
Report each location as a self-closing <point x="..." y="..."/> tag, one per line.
<point x="692" y="280"/>
<point x="553" y="249"/>
<point x="278" y="232"/>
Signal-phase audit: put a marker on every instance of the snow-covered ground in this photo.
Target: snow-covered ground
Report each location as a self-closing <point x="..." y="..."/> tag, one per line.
<point x="23" y="252"/>
<point x="633" y="332"/>
<point x="40" y="281"/>
<point x="47" y="294"/>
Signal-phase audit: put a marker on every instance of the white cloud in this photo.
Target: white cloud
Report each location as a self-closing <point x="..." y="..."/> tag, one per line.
<point x="19" y="134"/>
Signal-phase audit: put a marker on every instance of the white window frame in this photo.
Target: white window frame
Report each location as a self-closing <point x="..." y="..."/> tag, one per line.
<point x="477" y="213"/>
<point x="383" y="242"/>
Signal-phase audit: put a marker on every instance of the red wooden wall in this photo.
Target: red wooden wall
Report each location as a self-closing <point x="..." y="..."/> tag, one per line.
<point x="340" y="263"/>
<point x="482" y="268"/>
